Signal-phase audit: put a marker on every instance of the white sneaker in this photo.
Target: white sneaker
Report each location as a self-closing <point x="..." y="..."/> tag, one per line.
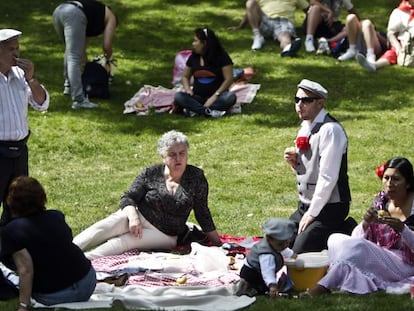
<point x="366" y="64"/>
<point x="235" y="109"/>
<point x="349" y="54"/>
<point x="85" y="104"/>
<point x="309" y="46"/>
<point x="323" y="47"/>
<point x="258" y="42"/>
<point x="66" y="90"/>
<point x="371" y="58"/>
<point x="215" y="113"/>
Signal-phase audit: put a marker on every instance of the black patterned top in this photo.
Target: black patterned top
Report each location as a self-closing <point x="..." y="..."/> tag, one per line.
<point x="169" y="212"/>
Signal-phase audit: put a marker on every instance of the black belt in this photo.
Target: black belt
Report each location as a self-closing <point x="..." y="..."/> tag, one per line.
<point x="12" y="149"/>
<point x="75" y="4"/>
<point x="15" y="143"/>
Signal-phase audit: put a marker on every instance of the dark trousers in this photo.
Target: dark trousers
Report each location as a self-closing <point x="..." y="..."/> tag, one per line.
<point x="324" y="30"/>
<point x="10" y="168"/>
<point x="195" y="103"/>
<point x="314" y="238"/>
<point x="254" y="279"/>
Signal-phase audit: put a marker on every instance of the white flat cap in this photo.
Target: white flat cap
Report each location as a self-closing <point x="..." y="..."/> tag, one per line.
<point x="8" y="34"/>
<point x="314" y="88"/>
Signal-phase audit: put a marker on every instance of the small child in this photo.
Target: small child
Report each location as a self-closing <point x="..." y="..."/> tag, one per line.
<point x="259" y="273"/>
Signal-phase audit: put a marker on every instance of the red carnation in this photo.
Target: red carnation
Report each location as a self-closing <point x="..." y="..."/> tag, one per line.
<point x="380" y="170"/>
<point x="302" y="143"/>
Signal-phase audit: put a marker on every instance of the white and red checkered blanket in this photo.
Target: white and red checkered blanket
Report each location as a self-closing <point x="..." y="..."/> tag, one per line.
<point x="204" y="266"/>
<point x="153" y="282"/>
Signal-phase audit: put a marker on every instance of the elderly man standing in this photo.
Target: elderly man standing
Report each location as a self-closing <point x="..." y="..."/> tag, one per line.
<point x="320" y="163"/>
<point x="19" y="87"/>
<point x="273" y="18"/>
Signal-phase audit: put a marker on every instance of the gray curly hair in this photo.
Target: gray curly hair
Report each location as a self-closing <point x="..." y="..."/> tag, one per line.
<point x="169" y="139"/>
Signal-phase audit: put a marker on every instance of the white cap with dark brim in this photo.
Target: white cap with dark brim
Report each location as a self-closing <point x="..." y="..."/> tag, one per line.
<point x="8" y="34"/>
<point x="314" y="88"/>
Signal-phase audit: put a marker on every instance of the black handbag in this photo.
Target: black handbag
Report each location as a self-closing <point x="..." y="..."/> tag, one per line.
<point x="192" y="234"/>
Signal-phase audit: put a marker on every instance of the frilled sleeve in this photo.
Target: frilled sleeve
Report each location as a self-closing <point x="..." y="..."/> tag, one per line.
<point x="380" y="201"/>
<point x="408" y="237"/>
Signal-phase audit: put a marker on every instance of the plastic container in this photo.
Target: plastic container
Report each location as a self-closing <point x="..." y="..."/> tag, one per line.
<point x="307" y="269"/>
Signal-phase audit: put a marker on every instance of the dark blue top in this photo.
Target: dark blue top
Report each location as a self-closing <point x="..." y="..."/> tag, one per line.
<point x="57" y="262"/>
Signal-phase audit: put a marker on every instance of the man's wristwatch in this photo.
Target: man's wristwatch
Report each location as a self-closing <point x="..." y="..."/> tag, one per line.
<point x="217" y="93"/>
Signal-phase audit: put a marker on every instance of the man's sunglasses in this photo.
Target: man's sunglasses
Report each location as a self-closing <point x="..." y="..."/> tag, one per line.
<point x="305" y="100"/>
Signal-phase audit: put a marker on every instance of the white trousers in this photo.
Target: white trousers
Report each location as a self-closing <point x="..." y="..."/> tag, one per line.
<point x="111" y="236"/>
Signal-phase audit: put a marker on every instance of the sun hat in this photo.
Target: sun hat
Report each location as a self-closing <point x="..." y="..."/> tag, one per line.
<point x="281" y="229"/>
<point x="8" y="34"/>
<point x="314" y="88"/>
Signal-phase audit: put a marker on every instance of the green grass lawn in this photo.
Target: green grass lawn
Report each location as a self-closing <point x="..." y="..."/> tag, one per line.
<point x="87" y="159"/>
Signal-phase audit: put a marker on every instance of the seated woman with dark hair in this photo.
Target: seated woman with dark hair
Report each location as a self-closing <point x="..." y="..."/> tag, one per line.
<point x="381" y="248"/>
<point x="37" y="243"/>
<point x="212" y="70"/>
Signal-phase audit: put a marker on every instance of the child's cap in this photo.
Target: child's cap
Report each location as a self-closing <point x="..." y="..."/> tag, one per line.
<point x="281" y="229"/>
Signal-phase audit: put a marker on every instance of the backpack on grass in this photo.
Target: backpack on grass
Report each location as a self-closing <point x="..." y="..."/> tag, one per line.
<point x="179" y="64"/>
<point x="95" y="80"/>
<point x="406" y="55"/>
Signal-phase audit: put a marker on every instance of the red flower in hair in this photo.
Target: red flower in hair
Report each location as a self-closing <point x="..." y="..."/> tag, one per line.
<point x="302" y="142"/>
<point x="380" y="170"/>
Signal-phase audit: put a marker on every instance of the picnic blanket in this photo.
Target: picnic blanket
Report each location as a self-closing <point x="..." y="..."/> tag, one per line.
<point x="204" y="266"/>
<point x="160" y="298"/>
<point x="210" y="280"/>
<point x="160" y="99"/>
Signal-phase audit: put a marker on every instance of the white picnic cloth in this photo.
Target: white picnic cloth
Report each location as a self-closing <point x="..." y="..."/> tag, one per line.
<point x="161" y="298"/>
<point x="210" y="284"/>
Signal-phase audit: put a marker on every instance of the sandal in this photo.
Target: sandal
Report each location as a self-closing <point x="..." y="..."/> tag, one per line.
<point x="117" y="280"/>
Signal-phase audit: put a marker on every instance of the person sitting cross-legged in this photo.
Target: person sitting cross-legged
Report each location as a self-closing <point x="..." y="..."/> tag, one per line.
<point x="211" y="68"/>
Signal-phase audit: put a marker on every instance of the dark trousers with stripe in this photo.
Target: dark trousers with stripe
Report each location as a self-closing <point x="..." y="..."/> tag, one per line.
<point x="10" y="168"/>
<point x="314" y="239"/>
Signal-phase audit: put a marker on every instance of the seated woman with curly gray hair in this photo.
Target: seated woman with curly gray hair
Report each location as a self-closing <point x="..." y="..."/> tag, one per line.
<point x="154" y="211"/>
